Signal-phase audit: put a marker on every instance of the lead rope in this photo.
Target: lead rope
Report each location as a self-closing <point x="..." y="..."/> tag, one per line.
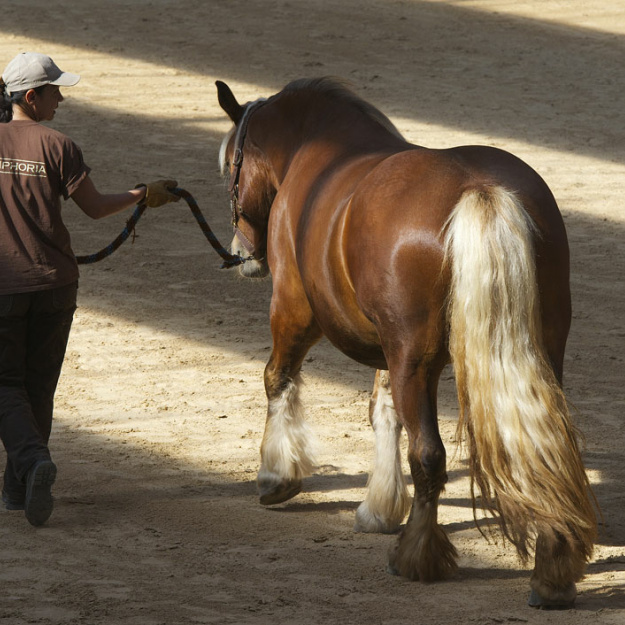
<point x="229" y="260"/>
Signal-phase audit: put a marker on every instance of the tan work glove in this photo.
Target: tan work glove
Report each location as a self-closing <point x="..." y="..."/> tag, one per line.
<point x="158" y="193"/>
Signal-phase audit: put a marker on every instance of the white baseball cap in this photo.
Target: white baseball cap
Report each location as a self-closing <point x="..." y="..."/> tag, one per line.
<point x="29" y="70"/>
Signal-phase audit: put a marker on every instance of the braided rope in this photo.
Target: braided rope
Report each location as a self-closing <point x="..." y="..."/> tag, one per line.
<point x="229" y="260"/>
<point x="111" y="247"/>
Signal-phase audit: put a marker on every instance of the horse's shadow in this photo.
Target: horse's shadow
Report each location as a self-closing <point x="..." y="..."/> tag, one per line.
<point x="604" y="598"/>
<point x="610" y="597"/>
<point x="329" y="507"/>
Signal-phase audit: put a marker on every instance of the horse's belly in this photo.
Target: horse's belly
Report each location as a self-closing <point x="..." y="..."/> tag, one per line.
<point x="365" y="354"/>
<point x="355" y="339"/>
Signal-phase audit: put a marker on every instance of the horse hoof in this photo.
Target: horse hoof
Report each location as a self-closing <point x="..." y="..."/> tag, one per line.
<point x="542" y="603"/>
<point x="278" y="493"/>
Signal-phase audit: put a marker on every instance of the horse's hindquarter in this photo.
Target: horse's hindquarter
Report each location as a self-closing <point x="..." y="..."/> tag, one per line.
<point x="391" y="244"/>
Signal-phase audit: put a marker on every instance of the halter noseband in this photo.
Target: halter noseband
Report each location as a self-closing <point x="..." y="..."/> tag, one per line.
<point x="237" y="164"/>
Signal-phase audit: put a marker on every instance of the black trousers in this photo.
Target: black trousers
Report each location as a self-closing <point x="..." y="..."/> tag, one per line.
<point x="34" y="330"/>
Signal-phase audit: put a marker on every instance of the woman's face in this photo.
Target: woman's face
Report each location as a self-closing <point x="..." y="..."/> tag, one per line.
<point x="44" y="104"/>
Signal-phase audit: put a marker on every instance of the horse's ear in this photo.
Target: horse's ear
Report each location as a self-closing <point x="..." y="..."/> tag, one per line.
<point x="228" y="102"/>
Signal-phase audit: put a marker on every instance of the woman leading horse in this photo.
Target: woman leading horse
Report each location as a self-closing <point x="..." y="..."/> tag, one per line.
<point x="406" y="259"/>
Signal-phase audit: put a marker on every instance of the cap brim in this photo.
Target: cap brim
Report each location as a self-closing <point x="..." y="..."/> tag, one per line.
<point x="66" y="80"/>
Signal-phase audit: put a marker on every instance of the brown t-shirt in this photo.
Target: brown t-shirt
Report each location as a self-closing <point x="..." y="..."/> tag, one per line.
<point x="38" y="166"/>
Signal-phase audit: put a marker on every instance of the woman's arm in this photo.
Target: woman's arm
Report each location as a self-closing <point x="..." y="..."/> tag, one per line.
<point x="97" y="205"/>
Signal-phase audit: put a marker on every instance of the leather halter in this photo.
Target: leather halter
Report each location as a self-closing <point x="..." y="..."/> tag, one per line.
<point x="237" y="164"/>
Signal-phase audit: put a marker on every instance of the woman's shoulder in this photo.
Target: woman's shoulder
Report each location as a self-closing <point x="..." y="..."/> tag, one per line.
<point x="28" y="127"/>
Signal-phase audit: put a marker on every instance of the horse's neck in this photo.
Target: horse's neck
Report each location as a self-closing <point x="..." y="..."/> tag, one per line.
<point x="319" y="135"/>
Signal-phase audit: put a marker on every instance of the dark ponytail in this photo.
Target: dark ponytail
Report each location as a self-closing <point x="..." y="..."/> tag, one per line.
<point x="6" y="107"/>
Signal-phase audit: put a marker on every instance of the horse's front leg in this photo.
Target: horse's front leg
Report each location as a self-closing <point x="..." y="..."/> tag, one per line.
<point x="287" y="449"/>
<point x="423" y="550"/>
<point x="387" y="500"/>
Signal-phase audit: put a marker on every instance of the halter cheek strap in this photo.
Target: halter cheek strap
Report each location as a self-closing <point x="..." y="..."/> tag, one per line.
<point x="237" y="164"/>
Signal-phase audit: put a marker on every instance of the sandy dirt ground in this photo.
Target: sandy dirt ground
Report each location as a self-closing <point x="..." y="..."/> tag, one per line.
<point x="161" y="407"/>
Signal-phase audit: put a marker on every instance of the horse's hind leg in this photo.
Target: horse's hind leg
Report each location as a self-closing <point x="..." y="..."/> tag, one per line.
<point x="286" y="449"/>
<point x="387" y="500"/>
<point x="557" y="567"/>
<point x="559" y="562"/>
<point x="423" y="551"/>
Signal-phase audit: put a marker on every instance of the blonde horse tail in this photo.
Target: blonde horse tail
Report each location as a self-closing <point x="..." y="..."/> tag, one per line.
<point x="523" y="446"/>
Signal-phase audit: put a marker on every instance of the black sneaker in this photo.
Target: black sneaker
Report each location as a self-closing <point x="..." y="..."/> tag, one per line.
<point x="12" y="502"/>
<point x="38" y="503"/>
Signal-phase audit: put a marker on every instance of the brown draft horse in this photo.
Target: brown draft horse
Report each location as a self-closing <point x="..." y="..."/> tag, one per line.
<point x="406" y="259"/>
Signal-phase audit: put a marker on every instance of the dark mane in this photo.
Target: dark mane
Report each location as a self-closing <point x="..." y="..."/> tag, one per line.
<point x="341" y="90"/>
